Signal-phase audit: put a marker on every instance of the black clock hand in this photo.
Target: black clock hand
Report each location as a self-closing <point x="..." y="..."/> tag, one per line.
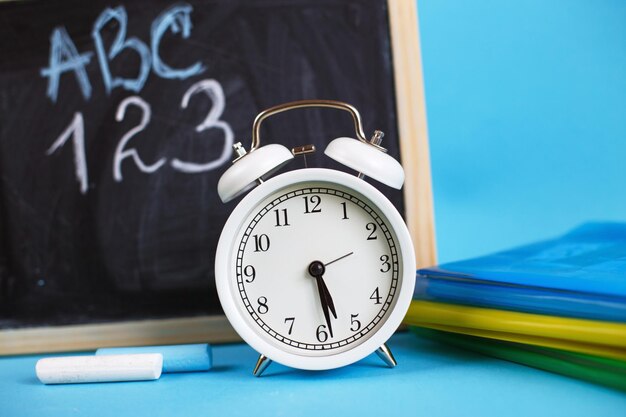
<point x="323" y="300"/>
<point x="316" y="270"/>
<point x="329" y="299"/>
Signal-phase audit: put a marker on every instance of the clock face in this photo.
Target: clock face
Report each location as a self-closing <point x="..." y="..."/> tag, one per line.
<point x="316" y="268"/>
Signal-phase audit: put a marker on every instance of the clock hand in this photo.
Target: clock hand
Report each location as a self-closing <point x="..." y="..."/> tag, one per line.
<point x="317" y="269"/>
<point x="320" y="288"/>
<point x="338" y="259"/>
<point x="329" y="299"/>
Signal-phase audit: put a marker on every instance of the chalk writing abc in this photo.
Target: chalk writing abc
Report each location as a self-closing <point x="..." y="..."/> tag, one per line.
<point x="64" y="58"/>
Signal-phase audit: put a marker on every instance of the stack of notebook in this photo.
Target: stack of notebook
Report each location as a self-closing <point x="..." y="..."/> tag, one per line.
<point x="558" y="305"/>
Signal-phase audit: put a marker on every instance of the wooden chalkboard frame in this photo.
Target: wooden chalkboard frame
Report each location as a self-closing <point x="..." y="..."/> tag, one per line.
<point x="411" y="116"/>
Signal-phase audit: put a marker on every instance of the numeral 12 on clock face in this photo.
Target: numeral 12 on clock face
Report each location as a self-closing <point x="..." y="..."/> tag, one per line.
<point x="317" y="268"/>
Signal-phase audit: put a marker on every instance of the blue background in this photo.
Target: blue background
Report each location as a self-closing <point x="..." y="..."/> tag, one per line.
<point x="526" y="106"/>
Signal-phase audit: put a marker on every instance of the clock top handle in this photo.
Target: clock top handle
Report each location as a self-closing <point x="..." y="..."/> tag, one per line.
<point x="301" y="104"/>
<point x="366" y="157"/>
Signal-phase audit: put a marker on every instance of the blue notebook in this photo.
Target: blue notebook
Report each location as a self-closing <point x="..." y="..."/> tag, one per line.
<point x="581" y="274"/>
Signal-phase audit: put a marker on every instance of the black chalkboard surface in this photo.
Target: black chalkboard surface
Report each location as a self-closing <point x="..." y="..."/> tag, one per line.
<point x="117" y="120"/>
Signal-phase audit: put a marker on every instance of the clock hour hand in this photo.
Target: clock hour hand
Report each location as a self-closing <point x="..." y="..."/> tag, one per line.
<point x="329" y="299"/>
<point x="323" y="300"/>
<point x="317" y="269"/>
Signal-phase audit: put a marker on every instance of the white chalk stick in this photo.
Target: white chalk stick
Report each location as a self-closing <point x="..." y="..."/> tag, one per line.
<point x="109" y="368"/>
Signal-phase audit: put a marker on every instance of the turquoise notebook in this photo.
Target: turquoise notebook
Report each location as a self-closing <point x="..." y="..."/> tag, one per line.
<point x="581" y="274"/>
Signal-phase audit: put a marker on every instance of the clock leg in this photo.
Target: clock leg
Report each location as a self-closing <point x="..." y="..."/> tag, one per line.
<point x="261" y="365"/>
<point x="385" y="354"/>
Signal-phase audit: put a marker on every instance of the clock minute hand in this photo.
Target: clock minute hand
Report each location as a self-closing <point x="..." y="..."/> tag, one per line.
<point x="338" y="259"/>
<point x="324" y="302"/>
<point x="329" y="299"/>
<point x="316" y="270"/>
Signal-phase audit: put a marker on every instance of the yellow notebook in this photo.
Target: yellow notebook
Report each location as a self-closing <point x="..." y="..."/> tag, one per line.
<point x="598" y="338"/>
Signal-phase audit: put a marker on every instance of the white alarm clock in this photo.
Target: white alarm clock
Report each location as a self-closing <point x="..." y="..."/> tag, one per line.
<point x="315" y="268"/>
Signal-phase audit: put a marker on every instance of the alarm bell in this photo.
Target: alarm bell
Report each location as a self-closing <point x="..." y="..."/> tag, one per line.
<point x="250" y="168"/>
<point x="368" y="159"/>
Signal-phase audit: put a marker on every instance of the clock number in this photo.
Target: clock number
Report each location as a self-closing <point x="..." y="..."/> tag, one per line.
<point x="371" y="227"/>
<point x="386" y="265"/>
<point x="322" y="334"/>
<point x="250" y="272"/>
<point x="314" y="199"/>
<point x="345" y="211"/>
<point x="355" y="325"/>
<point x="375" y="296"/>
<point x="292" y="320"/>
<point x="281" y="220"/>
<point x="262" y="308"/>
<point x="261" y="243"/>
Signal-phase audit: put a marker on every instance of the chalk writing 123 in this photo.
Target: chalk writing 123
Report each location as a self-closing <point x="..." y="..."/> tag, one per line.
<point x="76" y="131"/>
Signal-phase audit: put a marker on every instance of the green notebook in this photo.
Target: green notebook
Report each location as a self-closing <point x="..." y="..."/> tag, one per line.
<point x="603" y="371"/>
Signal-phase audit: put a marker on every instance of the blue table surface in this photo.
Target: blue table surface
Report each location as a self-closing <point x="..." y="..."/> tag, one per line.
<point x="431" y="380"/>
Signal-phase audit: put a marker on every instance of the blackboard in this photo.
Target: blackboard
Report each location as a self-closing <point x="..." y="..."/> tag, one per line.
<point x="117" y="120"/>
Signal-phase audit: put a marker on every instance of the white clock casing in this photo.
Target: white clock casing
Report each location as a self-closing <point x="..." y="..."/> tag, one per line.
<point x="260" y="339"/>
